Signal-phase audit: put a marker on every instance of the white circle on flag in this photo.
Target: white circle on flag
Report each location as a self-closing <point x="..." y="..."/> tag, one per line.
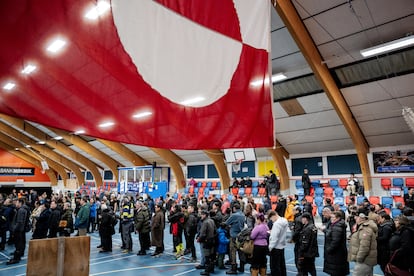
<point x="176" y="56"/>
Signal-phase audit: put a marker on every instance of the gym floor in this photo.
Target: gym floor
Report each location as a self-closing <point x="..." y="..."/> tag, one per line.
<point x="117" y="263"/>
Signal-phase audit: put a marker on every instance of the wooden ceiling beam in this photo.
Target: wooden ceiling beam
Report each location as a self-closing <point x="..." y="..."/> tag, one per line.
<point x="217" y="156"/>
<point x="91" y="150"/>
<point x="43" y="150"/>
<point x="300" y="34"/>
<point x="174" y="161"/>
<point x="125" y="152"/>
<point x="58" y="146"/>
<point x="50" y="172"/>
<point x="15" y="144"/>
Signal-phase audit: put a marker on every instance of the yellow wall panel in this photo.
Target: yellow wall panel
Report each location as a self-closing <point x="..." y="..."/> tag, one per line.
<point x="265" y="166"/>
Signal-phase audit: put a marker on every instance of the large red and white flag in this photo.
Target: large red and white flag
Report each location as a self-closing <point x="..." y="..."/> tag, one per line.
<point x="176" y="74"/>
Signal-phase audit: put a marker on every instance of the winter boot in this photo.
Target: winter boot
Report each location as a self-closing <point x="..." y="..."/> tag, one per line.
<point x="233" y="270"/>
<point x="254" y="271"/>
<point x="241" y="267"/>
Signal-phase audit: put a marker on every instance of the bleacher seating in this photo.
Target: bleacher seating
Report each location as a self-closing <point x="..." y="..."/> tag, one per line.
<point x="386" y="183"/>
<point x="319" y="200"/>
<point x="209" y="184"/>
<point x="339" y="201"/>
<point x="339" y="192"/>
<point x="360" y="199"/>
<point x="235" y="191"/>
<point x="203" y="184"/>
<point x="374" y="200"/>
<point x="328" y="192"/>
<point x="262" y="191"/>
<point x="395" y="212"/>
<point x="255" y="184"/>
<point x="309" y="198"/>
<point x="273" y="199"/>
<point x="199" y="184"/>
<point x="191" y="190"/>
<point x="301" y="192"/>
<point x="399" y="199"/>
<point x="398" y="182"/>
<point x="316" y="183"/>
<point x="334" y="183"/>
<point x="214" y="185"/>
<point x="255" y="191"/>
<point x="318" y="191"/>
<point x="409" y="182"/>
<point x="218" y="185"/>
<point x="248" y="191"/>
<point x="387" y="201"/>
<point x="241" y="191"/>
<point x="298" y="184"/>
<point x="343" y="183"/>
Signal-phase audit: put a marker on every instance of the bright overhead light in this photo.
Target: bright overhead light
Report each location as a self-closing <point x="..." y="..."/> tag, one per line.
<point x="389" y="46"/>
<point x="28" y="146"/>
<point x="16" y="149"/>
<point x="9" y="86"/>
<point x="56" y="45"/>
<point x="57" y="138"/>
<point x="278" y="77"/>
<point x="192" y="101"/>
<point x="98" y="10"/>
<point x="28" y="69"/>
<point x="106" y="124"/>
<point x="80" y="131"/>
<point x="141" y="114"/>
<point x="41" y="142"/>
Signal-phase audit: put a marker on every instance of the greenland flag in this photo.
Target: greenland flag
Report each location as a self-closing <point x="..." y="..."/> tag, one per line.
<point x="216" y="51"/>
<point x="200" y="68"/>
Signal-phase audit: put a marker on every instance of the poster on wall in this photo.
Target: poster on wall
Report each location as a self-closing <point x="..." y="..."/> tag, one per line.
<point x="399" y="161"/>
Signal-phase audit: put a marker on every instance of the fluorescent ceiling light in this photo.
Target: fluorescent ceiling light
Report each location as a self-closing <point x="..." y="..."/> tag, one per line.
<point x="141" y="114"/>
<point x="389" y="46"/>
<point x="57" y="138"/>
<point x="80" y="131"/>
<point x="41" y="142"/>
<point x="16" y="149"/>
<point x="106" y="124"/>
<point x="192" y="101"/>
<point x="98" y="10"/>
<point x="28" y="69"/>
<point x="278" y="77"/>
<point x="28" y="146"/>
<point x="56" y="45"/>
<point x="9" y="86"/>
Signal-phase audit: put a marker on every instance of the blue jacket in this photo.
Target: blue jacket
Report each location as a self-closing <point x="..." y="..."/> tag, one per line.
<point x="223" y="241"/>
<point x="236" y="223"/>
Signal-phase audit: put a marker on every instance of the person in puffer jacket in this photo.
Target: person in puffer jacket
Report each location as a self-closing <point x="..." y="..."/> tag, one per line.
<point x="363" y="246"/>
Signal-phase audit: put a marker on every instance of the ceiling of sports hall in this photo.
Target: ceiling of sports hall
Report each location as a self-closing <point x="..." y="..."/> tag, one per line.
<point x="331" y="90"/>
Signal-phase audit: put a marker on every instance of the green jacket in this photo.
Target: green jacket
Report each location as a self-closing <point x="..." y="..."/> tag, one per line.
<point x="82" y="219"/>
<point x="142" y="220"/>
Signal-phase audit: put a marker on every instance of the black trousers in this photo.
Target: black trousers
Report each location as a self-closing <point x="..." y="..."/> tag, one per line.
<point x="277" y="262"/>
<point x="20" y="244"/>
<point x="144" y="241"/>
<point x="190" y="244"/>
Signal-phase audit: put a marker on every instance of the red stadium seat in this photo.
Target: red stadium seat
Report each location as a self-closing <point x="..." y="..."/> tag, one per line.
<point x="386" y="183"/>
<point x="248" y="191"/>
<point x="328" y="192"/>
<point x="374" y="200"/>
<point x="235" y="191"/>
<point x="343" y="183"/>
<point x="409" y="182"/>
<point x="399" y="199"/>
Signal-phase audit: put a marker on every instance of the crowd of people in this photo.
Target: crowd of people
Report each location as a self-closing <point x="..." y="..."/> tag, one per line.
<point x="222" y="228"/>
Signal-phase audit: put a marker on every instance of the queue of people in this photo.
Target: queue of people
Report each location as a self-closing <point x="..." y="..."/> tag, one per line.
<point x="364" y="234"/>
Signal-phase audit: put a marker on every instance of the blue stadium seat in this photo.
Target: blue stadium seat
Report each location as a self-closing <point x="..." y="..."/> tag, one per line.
<point x="398" y="182"/>
<point x="230" y="197"/>
<point x="301" y="192"/>
<point x="387" y="201"/>
<point x="298" y="184"/>
<point x="186" y="189"/>
<point x="241" y="191"/>
<point x="209" y="184"/>
<point x="206" y="192"/>
<point x="339" y="201"/>
<point x="175" y="196"/>
<point x="255" y="184"/>
<point x="300" y="197"/>
<point x="319" y="200"/>
<point x="360" y="199"/>
<point x="199" y="184"/>
<point x="316" y="183"/>
<point x="320" y="209"/>
<point x="318" y="191"/>
<point x="334" y="183"/>
<point x="395" y="212"/>
<point x="405" y="190"/>
<point x="196" y="190"/>
<point x="339" y="192"/>
<point x="255" y="191"/>
<point x="219" y="185"/>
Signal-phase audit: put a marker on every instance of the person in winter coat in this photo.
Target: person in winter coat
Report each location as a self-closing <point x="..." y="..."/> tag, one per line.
<point x="222" y="246"/>
<point x="401" y="244"/>
<point x="106" y="228"/>
<point x="191" y="231"/>
<point x="290" y="204"/>
<point x="385" y="230"/>
<point x="42" y="221"/>
<point x="296" y="229"/>
<point x="54" y="220"/>
<point x="363" y="246"/>
<point x="335" y="251"/>
<point x="176" y="219"/>
<point x="208" y="238"/>
<point x="18" y="229"/>
<point x="157" y="230"/>
<point x="68" y="217"/>
<point x="308" y="246"/>
<point x="260" y="237"/>
<point x="142" y="226"/>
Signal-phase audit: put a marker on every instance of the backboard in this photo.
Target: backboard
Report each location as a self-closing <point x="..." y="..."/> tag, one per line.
<point x="246" y="154"/>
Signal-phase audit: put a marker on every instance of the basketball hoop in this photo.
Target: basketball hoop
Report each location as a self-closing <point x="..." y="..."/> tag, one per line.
<point x="236" y="165"/>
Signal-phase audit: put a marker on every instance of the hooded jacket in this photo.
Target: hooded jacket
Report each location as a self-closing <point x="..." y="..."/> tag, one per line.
<point x="363" y="244"/>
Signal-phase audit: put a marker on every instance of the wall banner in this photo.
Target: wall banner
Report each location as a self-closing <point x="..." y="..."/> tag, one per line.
<point x="17" y="171"/>
<point x="398" y="161"/>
